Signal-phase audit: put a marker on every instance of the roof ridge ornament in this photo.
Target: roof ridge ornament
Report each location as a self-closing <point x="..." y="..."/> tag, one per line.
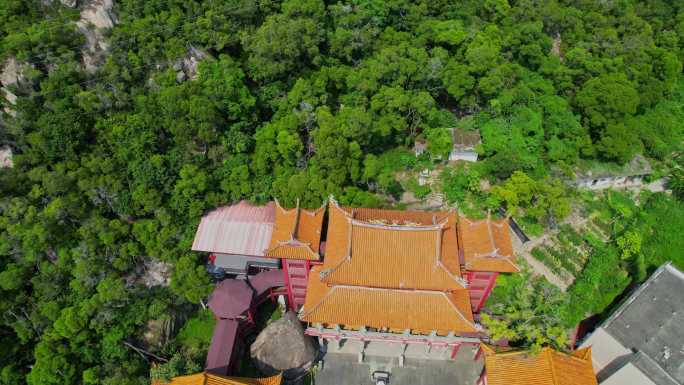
<point x="411" y="227"/>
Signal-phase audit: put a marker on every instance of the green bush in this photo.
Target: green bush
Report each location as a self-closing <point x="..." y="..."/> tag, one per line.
<point x="197" y="331"/>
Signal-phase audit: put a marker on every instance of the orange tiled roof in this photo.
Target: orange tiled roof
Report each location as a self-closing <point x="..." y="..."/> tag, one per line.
<point x="357" y="306"/>
<point x="487" y="245"/>
<point x="375" y="254"/>
<point x="296" y="233"/>
<point x="549" y="367"/>
<point x="449" y="247"/>
<point x="212" y="379"/>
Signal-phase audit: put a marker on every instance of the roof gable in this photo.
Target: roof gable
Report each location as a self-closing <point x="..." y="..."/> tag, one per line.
<point x="487" y="245"/>
<point x="297" y="233"/>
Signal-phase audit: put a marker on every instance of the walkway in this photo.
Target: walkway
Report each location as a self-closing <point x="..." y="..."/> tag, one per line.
<point x="538" y="268"/>
<point x="222" y="351"/>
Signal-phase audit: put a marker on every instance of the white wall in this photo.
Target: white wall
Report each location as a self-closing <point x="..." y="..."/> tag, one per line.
<point x="468" y="156"/>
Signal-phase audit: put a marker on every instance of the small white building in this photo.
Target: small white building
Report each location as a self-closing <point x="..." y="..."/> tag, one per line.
<point x="631" y="174"/>
<point x="464" y="144"/>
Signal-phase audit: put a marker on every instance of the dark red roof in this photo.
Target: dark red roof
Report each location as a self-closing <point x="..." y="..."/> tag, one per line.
<point x="266" y="280"/>
<point x="221" y="349"/>
<point x="231" y="298"/>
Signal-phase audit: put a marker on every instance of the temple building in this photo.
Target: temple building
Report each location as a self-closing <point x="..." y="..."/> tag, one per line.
<point x="407" y="282"/>
<point x="396" y="279"/>
<point x="547" y="367"/>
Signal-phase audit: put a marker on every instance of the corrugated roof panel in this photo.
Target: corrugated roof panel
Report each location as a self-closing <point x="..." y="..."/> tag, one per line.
<point x="242" y="229"/>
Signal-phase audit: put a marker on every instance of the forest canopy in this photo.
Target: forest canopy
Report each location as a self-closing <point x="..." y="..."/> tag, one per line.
<point x="297" y="99"/>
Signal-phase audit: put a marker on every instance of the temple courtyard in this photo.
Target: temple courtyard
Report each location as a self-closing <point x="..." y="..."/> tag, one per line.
<point x="420" y="368"/>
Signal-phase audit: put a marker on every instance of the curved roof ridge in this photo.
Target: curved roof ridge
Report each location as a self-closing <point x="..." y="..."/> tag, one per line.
<point x="313" y="309"/>
<point x="458" y="311"/>
<point x="456" y="278"/>
<point x="548" y="355"/>
<point x="497" y="257"/>
<point x="283" y="209"/>
<point x="418" y="227"/>
<point x="295" y="243"/>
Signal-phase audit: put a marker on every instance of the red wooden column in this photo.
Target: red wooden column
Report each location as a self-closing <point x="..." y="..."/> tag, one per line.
<point x="478" y="353"/>
<point x="454" y="351"/>
<point x="483" y="378"/>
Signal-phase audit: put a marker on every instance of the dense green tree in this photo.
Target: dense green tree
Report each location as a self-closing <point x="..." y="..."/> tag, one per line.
<point x="114" y="166"/>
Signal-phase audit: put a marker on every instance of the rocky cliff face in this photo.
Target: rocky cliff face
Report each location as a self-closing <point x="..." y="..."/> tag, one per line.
<point x="12" y="76"/>
<point x="6" y="157"/>
<point x="96" y="17"/>
<point x="186" y="68"/>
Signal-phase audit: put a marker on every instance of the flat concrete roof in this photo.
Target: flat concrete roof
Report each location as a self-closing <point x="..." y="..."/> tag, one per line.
<point x="628" y="375"/>
<point x="651" y="323"/>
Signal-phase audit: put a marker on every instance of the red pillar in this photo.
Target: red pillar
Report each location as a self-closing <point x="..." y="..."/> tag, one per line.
<point x="478" y="353"/>
<point x="454" y="350"/>
<point x="483" y="378"/>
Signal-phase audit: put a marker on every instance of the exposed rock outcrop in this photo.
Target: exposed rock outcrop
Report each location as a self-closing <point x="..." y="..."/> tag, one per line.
<point x="11" y="73"/>
<point x="556" y="49"/>
<point x="12" y="76"/>
<point x="69" y="3"/>
<point x="187" y="67"/>
<point x="98" y="13"/>
<point x="96" y="17"/>
<point x="283" y="347"/>
<point x="6" y="157"/>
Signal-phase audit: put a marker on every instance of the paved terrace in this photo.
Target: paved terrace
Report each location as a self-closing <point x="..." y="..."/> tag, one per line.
<point x="420" y="367"/>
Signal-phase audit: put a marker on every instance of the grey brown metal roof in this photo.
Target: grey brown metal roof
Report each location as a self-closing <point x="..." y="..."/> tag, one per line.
<point x="651" y="323"/>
